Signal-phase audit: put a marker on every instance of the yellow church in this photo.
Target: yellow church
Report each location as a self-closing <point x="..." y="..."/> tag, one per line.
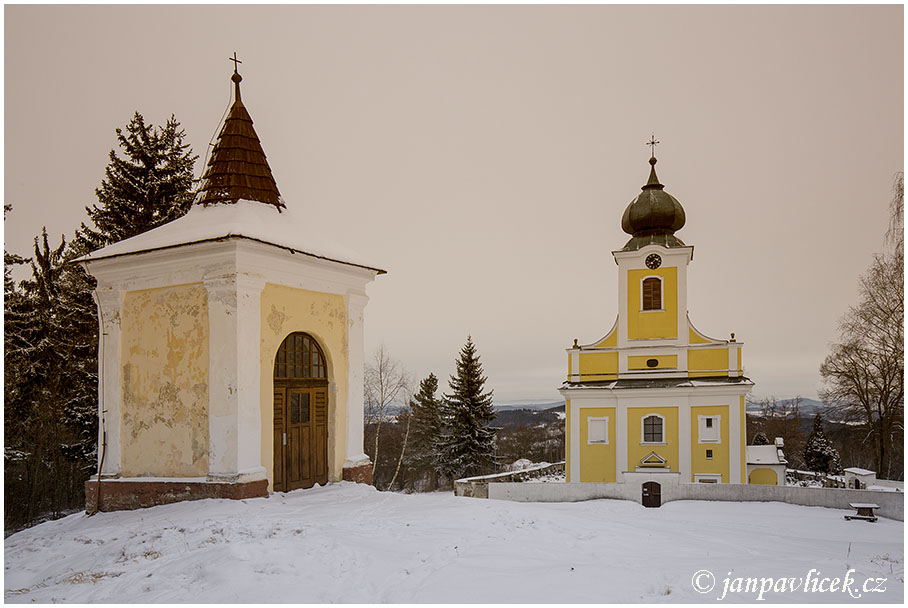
<point x="655" y="401"/>
<point x="231" y="354"/>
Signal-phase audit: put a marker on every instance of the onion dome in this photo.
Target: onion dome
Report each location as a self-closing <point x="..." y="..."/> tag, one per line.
<point x="654" y="216"/>
<point x="238" y="168"/>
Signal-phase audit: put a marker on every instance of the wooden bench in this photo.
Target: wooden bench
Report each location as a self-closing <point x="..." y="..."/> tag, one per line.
<point x="864" y="511"/>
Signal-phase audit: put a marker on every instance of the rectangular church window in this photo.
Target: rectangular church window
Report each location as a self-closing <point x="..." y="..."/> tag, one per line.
<point x="709" y="454"/>
<point x="652" y="429"/>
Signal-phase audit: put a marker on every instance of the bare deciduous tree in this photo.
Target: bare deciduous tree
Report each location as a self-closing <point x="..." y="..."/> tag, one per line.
<point x="864" y="372"/>
<point x="403" y="450"/>
<point x="385" y="383"/>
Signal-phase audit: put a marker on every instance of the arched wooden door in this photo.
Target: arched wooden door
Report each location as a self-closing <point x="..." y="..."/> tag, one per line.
<point x="652" y="494"/>
<point x="300" y="414"/>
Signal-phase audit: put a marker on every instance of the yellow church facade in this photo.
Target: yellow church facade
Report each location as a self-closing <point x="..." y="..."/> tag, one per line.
<point x="655" y="400"/>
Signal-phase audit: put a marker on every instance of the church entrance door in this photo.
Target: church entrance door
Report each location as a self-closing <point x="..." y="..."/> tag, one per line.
<point x="652" y="494"/>
<point x="300" y="415"/>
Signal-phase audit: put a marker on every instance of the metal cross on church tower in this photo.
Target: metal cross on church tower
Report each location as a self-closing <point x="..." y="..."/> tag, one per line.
<point x="235" y="61"/>
<point x="652" y="143"/>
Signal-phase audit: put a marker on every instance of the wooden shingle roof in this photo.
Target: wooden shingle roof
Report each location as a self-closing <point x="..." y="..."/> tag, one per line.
<point x="238" y="168"/>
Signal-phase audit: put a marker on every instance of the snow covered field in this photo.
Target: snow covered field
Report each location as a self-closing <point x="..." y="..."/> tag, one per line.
<point x="350" y="543"/>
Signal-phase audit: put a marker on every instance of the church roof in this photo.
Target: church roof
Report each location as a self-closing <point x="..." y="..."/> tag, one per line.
<point x="237" y="168"/>
<point x="653" y="216"/>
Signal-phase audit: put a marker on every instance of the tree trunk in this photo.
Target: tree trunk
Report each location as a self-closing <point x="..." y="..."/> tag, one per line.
<point x="402" y="451"/>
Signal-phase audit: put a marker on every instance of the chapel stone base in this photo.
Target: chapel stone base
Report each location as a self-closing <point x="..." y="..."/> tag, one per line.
<point x="361" y="473"/>
<point x="128" y="494"/>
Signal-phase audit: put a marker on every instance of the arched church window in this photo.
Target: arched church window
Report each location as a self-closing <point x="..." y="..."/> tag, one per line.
<point x="652" y="429"/>
<point x="652" y="293"/>
<point x="299" y="356"/>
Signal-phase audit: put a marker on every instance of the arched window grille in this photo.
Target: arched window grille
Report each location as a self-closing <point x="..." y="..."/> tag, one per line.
<point x="299" y="357"/>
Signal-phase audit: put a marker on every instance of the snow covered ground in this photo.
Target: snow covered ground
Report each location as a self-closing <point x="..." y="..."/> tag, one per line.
<point x="349" y="543"/>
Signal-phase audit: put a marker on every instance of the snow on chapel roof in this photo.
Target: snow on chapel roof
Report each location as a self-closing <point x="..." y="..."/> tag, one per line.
<point x="243" y="219"/>
<point x="238" y="199"/>
<point x="764" y="454"/>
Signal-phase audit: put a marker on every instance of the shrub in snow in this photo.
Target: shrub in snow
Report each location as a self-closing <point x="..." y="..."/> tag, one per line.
<point x="819" y="455"/>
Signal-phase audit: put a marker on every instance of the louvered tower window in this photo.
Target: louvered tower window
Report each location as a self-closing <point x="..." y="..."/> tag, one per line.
<point x="652" y="293"/>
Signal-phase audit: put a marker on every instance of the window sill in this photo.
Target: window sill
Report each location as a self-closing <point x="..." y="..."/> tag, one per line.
<point x="653" y="443"/>
<point x="652" y="310"/>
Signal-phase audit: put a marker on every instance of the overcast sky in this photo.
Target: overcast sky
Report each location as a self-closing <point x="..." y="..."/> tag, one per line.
<point x="484" y="156"/>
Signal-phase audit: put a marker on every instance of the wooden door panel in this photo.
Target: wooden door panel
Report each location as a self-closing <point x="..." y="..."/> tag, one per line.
<point x="320" y="445"/>
<point x="278" y="442"/>
<point x="293" y="451"/>
<point x="300" y="416"/>
<point x="305" y="461"/>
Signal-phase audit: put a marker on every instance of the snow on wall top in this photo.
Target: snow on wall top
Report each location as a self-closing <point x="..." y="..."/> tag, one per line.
<point x="248" y="219"/>
<point x="859" y="471"/>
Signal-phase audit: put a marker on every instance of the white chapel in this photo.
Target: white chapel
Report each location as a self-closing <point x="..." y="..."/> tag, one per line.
<point x="231" y="355"/>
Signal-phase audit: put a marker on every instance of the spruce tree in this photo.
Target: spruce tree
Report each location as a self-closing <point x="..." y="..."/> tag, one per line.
<point x="51" y="405"/>
<point x="17" y="313"/>
<point x="425" y="429"/>
<point x="149" y="186"/>
<point x="819" y="454"/>
<point x="51" y="325"/>
<point x="760" y="439"/>
<point x="468" y="443"/>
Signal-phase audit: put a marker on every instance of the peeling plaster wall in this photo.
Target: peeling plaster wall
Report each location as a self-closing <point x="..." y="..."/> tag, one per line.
<point x="164" y="423"/>
<point x="324" y="317"/>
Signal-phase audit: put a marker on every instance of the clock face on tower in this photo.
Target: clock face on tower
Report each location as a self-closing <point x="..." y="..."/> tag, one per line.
<point x="653" y="261"/>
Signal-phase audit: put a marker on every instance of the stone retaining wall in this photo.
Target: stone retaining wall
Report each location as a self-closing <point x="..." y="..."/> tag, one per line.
<point x="478" y="487"/>
<point x="892" y="504"/>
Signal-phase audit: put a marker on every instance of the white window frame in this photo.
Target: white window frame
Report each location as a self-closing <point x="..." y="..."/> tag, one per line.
<point x="711" y="477"/>
<point x="590" y="419"/>
<point x="717" y="428"/>
<point x="661" y="293"/>
<point x="643" y="429"/>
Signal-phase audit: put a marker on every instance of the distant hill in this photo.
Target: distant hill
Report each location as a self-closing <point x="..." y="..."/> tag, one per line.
<point x="528" y="414"/>
<point x="527" y="405"/>
<point x="808" y="407"/>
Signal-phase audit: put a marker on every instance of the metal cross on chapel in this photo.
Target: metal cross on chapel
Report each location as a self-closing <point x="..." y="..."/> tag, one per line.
<point x="235" y="61"/>
<point x="652" y="143"/>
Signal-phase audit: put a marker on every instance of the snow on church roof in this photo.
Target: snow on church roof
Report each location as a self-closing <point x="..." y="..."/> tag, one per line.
<point x="243" y="219"/>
